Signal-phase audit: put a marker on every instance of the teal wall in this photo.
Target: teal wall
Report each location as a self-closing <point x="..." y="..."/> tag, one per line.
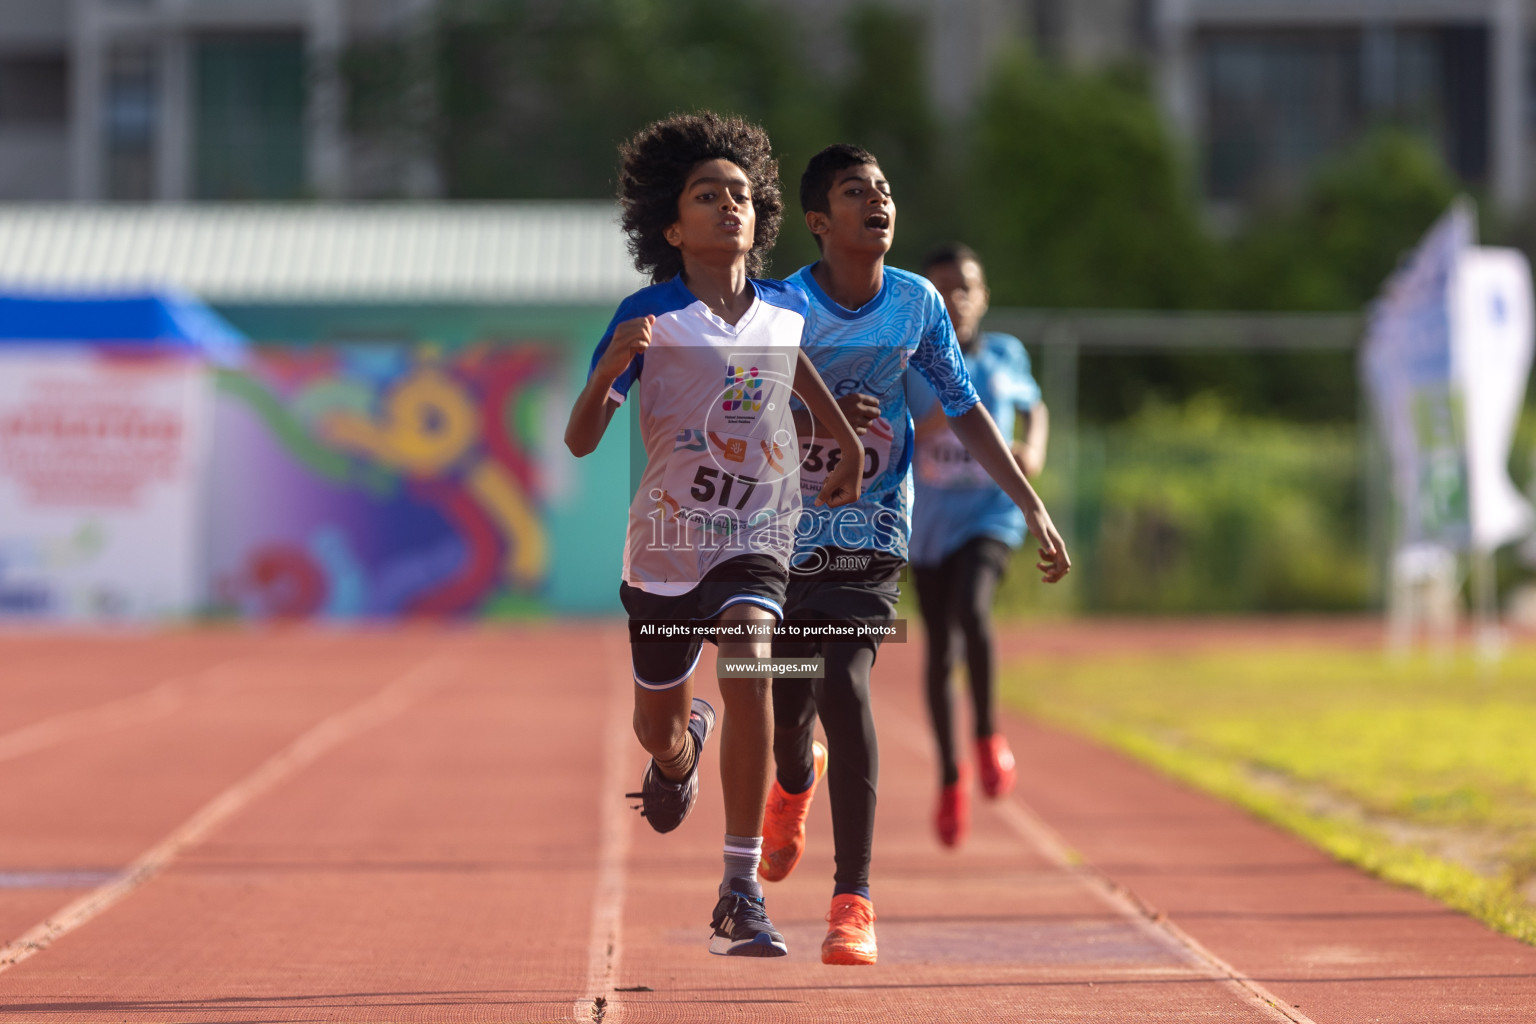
<point x="588" y="509"/>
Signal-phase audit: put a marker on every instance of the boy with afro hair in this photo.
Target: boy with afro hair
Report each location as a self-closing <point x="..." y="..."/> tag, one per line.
<point x="715" y="353"/>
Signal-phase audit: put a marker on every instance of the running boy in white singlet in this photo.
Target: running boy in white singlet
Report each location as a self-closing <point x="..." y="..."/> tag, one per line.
<point x="715" y="353"/>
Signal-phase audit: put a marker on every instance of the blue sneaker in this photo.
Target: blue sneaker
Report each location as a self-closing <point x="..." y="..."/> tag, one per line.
<point x="741" y="927"/>
<point x="665" y="803"/>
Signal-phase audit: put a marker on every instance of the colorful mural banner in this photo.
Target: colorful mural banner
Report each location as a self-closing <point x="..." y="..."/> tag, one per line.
<point x="377" y="481"/>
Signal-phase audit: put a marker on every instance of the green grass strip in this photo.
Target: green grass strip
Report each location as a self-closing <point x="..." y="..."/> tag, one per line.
<point x="1492" y="901"/>
<point x="1495" y="902"/>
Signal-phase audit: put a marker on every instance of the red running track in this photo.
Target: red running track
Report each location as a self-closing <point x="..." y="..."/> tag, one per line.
<point x="427" y="824"/>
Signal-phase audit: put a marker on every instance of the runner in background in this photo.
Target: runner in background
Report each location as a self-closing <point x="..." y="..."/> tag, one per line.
<point x="964" y="530"/>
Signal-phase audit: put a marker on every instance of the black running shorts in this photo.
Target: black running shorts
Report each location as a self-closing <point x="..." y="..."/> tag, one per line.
<point x="747" y="579"/>
<point x="842" y="585"/>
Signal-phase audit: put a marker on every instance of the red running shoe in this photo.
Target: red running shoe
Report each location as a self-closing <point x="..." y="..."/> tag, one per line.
<point x="953" y="819"/>
<point x="850" y="940"/>
<point x="995" y="765"/>
<point x="784" y="822"/>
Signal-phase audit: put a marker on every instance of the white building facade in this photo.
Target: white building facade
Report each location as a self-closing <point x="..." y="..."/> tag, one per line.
<point x="175" y="100"/>
<point x="1266" y="88"/>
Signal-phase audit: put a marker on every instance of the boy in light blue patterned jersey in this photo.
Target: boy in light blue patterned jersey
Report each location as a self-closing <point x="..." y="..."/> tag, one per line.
<point x="866" y="324"/>
<point x="964" y="530"/>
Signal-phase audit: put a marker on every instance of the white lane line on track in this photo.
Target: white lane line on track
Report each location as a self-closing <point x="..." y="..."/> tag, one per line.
<point x="331" y="732"/>
<point x="605" y="943"/>
<point x="145" y="706"/>
<point x="1155" y="924"/>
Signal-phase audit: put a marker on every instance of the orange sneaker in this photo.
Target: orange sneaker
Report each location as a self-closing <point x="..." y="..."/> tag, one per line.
<point x="953" y="820"/>
<point x="850" y="940"/>
<point x="995" y="765"/>
<point x="784" y="822"/>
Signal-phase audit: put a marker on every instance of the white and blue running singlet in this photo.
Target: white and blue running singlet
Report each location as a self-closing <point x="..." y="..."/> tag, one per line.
<point x="955" y="499"/>
<point x="720" y="477"/>
<point x="868" y="351"/>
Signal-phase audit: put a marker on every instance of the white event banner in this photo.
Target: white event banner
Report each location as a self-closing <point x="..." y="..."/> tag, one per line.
<point x="1446" y="358"/>
<point x="101" y="467"/>
<point x="1406" y="359"/>
<point x="1492" y="337"/>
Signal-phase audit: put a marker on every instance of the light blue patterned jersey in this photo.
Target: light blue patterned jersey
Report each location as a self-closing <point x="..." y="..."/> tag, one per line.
<point x="955" y="498"/>
<point x="868" y="351"/>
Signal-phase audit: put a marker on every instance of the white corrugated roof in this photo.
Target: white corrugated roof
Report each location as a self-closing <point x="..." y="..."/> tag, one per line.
<point x="422" y="252"/>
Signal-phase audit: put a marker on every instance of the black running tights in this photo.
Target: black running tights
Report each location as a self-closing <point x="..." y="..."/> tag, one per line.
<point x="841" y="699"/>
<point x="955" y="598"/>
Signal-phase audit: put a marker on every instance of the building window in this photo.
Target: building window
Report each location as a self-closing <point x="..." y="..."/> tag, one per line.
<point x="1275" y="103"/>
<point x="1278" y="102"/>
<point x="34" y="91"/>
<point x="1465" y="58"/>
<point x="131" y="113"/>
<point x="249" y="103"/>
<point x="1144" y="30"/>
<point x="1048" y="22"/>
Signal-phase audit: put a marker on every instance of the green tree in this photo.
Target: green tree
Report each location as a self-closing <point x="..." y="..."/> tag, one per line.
<point x="530" y="100"/>
<point x="1076" y="196"/>
<point x="883" y="105"/>
<point x="1360" y="214"/>
<point x="1067" y="182"/>
<point x="534" y="98"/>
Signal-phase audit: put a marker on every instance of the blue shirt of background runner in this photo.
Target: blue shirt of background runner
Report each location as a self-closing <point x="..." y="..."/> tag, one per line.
<point x="944" y="518"/>
<point x="868" y="351"/>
